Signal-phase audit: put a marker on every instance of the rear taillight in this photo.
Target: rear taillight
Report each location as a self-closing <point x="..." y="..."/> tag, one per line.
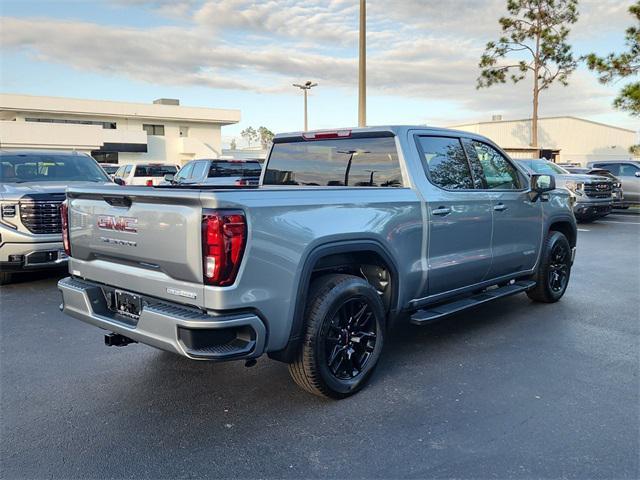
<point x="224" y="235"/>
<point x="64" y="214"/>
<point x="149" y="183"/>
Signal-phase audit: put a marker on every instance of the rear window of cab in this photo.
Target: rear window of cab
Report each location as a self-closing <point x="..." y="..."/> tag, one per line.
<point x="344" y="162"/>
<point x="154" y="170"/>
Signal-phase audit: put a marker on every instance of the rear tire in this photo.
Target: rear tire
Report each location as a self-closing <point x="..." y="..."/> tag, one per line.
<point x="343" y="337"/>
<point x="554" y="271"/>
<point x="5" y="278"/>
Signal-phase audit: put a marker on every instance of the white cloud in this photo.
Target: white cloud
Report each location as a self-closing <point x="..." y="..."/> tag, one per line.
<point x="420" y="49"/>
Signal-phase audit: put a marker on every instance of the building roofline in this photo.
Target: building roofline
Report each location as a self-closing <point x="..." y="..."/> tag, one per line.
<point x="488" y="122"/>
<point x="109" y="108"/>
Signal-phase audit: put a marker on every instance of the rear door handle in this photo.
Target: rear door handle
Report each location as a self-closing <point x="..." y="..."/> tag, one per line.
<point x="501" y="207"/>
<point x="441" y="211"/>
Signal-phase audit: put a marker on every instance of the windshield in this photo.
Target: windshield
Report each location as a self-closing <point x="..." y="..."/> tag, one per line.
<point x="546" y="167"/>
<point x="22" y="168"/>
<point x="110" y="169"/>
<point x="155" y="170"/>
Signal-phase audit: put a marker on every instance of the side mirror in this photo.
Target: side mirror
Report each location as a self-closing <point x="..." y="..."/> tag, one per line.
<point x="541" y="183"/>
<point x="169" y="177"/>
<point x="119" y="181"/>
<point x="637" y="174"/>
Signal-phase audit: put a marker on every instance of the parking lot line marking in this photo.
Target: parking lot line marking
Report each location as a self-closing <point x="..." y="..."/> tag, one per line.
<point x="624" y="223"/>
<point x="583" y="230"/>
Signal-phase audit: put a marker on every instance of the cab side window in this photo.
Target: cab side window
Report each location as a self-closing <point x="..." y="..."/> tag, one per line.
<point x="184" y="173"/>
<point x="198" y="170"/>
<point x="127" y="170"/>
<point x="445" y="163"/>
<point x="614" y="168"/>
<point x="628" y="170"/>
<point x="497" y="171"/>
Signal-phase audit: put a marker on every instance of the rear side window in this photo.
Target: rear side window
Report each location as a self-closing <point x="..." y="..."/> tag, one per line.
<point x="497" y="171"/>
<point x="628" y="170"/>
<point x="235" y="169"/>
<point x="445" y="163"/>
<point x="154" y="170"/>
<point x="352" y="162"/>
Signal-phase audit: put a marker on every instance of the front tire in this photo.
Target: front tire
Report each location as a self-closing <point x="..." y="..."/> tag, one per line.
<point x="554" y="271"/>
<point x="343" y="339"/>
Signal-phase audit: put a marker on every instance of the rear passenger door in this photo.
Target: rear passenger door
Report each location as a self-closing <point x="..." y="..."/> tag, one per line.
<point x="460" y="217"/>
<point x="517" y="221"/>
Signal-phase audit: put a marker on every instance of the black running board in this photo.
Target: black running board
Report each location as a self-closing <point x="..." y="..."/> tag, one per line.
<point x="434" y="313"/>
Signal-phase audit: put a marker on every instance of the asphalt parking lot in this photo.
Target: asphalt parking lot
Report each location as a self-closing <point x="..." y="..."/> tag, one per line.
<point x="509" y="390"/>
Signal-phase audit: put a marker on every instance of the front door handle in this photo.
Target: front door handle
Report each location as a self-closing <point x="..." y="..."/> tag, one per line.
<point x="501" y="207"/>
<point x="441" y="211"/>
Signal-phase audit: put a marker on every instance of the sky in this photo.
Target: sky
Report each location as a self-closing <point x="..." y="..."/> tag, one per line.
<point x="422" y="58"/>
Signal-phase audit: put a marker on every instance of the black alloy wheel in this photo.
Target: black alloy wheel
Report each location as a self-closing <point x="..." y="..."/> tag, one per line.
<point x="351" y="339"/>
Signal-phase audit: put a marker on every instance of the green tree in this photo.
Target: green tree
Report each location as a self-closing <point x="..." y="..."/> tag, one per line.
<point x="534" y="40"/>
<point x="266" y="137"/>
<point x="627" y="64"/>
<point x="249" y="134"/>
<point x="233" y="145"/>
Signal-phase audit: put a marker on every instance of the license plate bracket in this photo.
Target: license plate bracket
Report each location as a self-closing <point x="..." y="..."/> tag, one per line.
<point x="127" y="304"/>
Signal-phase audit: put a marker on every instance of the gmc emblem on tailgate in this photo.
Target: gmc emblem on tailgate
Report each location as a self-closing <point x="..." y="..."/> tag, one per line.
<point x="119" y="224"/>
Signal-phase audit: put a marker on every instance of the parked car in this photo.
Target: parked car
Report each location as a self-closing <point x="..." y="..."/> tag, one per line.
<point x="110" y="168"/>
<point x="628" y="171"/>
<point x="218" y="172"/>
<point x="617" y="194"/>
<point x="32" y="185"/>
<point x="350" y="232"/>
<point x="147" y="174"/>
<point x="593" y="195"/>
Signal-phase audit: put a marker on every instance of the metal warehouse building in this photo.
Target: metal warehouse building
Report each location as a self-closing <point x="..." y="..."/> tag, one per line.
<point x="562" y="139"/>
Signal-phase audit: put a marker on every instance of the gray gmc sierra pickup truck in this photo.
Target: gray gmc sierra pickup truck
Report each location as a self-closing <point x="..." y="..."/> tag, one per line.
<point x="348" y="232"/>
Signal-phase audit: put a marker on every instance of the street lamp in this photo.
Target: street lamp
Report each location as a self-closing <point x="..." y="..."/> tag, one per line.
<point x="362" y="67"/>
<point x="305" y="88"/>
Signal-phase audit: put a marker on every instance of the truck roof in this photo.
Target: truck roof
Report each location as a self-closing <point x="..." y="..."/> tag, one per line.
<point x="65" y="153"/>
<point x="393" y="129"/>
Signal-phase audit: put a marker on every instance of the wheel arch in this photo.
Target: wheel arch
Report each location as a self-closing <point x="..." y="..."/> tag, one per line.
<point x="567" y="228"/>
<point x="333" y="257"/>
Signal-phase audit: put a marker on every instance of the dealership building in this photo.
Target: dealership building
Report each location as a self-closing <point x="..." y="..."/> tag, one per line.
<point x="113" y="132"/>
<point x="561" y="139"/>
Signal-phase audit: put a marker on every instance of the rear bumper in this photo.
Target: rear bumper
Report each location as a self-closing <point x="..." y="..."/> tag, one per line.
<point x="168" y="326"/>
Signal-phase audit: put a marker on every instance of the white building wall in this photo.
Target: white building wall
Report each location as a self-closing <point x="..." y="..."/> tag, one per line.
<point x="578" y="140"/>
<point x="202" y="127"/>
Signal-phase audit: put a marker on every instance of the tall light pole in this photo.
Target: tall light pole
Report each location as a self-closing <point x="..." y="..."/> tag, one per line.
<point x="362" y="67"/>
<point x="305" y="88"/>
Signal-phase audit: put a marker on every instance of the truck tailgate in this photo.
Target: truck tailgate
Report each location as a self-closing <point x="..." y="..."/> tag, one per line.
<point x="145" y="239"/>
